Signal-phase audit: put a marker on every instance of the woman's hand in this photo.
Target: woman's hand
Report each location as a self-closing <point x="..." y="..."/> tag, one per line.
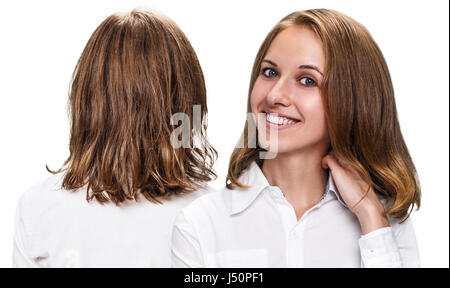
<point x="352" y="189"/>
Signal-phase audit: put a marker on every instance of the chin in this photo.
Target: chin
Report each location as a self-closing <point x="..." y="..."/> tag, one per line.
<point x="292" y="145"/>
<point x="279" y="146"/>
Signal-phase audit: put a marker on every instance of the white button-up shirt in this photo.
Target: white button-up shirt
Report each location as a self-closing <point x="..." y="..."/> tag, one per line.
<point x="258" y="227"/>
<point x="59" y="228"/>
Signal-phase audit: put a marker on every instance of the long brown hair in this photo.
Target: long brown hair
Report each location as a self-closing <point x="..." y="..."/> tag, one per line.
<point x="136" y="71"/>
<point x="359" y="103"/>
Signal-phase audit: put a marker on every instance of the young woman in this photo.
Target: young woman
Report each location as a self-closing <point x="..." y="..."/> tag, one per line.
<point x="336" y="188"/>
<point x="113" y="202"/>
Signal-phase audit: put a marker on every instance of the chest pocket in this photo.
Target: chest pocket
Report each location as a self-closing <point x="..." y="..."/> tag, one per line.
<point x="242" y="258"/>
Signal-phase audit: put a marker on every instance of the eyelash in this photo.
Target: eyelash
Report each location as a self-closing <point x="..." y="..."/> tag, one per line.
<point x="264" y="70"/>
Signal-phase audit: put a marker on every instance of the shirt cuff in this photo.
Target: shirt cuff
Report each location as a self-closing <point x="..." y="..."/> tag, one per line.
<point x="379" y="249"/>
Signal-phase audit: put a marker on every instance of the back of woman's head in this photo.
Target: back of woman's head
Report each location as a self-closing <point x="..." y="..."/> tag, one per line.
<point x="136" y="71"/>
<point x="358" y="99"/>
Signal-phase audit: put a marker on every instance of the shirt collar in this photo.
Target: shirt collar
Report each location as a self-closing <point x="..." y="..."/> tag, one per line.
<point x="241" y="198"/>
<point x="253" y="177"/>
<point x="332" y="187"/>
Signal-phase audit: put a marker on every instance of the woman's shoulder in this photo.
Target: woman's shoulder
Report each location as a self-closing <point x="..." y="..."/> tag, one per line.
<point x="187" y="199"/>
<point x="43" y="189"/>
<point x="402" y="227"/>
<point x="41" y="195"/>
<point x="211" y="201"/>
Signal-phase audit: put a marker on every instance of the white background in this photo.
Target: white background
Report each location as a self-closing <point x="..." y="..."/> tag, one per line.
<point x="42" y="40"/>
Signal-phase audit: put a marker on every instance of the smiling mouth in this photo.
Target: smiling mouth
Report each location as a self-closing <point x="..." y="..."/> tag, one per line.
<point x="275" y="120"/>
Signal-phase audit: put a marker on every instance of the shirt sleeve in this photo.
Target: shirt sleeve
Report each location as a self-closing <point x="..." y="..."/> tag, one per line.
<point x="186" y="250"/>
<point x="394" y="246"/>
<point x="21" y="259"/>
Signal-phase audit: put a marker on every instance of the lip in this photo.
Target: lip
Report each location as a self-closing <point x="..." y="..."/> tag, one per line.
<point x="270" y="125"/>
<point x="281" y="114"/>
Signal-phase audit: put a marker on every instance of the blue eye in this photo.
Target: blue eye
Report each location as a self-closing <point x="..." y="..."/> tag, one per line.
<point x="309" y="82"/>
<point x="269" y="72"/>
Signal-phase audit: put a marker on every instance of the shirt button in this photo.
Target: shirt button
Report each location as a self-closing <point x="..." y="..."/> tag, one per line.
<point x="294" y="234"/>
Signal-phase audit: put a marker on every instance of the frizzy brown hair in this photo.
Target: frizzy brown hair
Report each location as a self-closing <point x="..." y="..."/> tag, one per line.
<point x="359" y="103"/>
<point x="136" y="71"/>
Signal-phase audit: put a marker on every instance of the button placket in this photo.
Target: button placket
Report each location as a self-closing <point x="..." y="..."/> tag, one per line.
<point x="289" y="219"/>
<point x="294" y="229"/>
<point x="295" y="252"/>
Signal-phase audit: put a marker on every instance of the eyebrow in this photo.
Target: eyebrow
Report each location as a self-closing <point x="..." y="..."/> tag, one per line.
<point x="306" y="66"/>
<point x="310" y="67"/>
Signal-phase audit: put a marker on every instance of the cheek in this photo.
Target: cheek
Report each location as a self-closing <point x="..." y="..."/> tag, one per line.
<point x="257" y="96"/>
<point x="314" y="113"/>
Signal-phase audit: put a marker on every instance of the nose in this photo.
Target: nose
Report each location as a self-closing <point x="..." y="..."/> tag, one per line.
<point x="279" y="94"/>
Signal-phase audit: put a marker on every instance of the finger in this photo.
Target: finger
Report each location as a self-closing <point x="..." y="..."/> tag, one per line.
<point x="346" y="166"/>
<point x="330" y="161"/>
<point x="324" y="162"/>
<point x="340" y="161"/>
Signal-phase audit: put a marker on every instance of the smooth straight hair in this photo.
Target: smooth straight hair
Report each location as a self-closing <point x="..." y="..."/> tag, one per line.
<point x="358" y="99"/>
<point x="136" y="71"/>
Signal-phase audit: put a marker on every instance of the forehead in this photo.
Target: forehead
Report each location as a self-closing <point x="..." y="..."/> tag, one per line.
<point x="298" y="45"/>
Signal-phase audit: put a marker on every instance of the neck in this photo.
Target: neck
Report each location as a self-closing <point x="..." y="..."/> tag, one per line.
<point x="299" y="175"/>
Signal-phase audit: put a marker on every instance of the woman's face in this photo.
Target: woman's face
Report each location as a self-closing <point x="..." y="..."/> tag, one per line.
<point x="286" y="98"/>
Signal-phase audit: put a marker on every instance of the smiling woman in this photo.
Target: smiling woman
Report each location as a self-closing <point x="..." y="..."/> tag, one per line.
<point x="338" y="191"/>
<point x="354" y="93"/>
<point x="287" y="90"/>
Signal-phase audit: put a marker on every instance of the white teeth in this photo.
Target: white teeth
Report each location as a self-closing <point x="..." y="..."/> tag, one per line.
<point x="278" y="120"/>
